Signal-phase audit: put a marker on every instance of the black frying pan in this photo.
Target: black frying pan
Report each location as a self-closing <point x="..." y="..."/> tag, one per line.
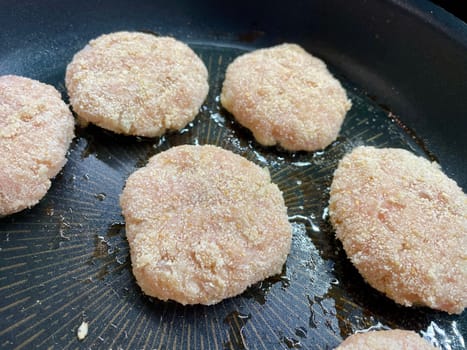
<point x="66" y="260"/>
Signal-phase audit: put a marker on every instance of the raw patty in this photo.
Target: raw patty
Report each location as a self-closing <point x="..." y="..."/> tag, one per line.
<point x="36" y="128"/>
<point x="285" y="96"/>
<point x="203" y="224"/>
<point x="385" y="340"/>
<point x="403" y="224"/>
<point x="136" y="83"/>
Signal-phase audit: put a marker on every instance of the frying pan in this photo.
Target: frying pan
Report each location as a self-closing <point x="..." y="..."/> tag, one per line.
<point x="66" y="261"/>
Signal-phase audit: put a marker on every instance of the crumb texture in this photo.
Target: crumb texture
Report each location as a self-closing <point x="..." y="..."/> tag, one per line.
<point x="386" y="340"/>
<point x="203" y="224"/>
<point x="285" y="96"/>
<point x="136" y="83"/>
<point x="36" y="129"/>
<point x="403" y="224"/>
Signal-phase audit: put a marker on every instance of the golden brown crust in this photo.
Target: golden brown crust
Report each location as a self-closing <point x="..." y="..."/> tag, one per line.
<point x="403" y="224"/>
<point x="203" y="224"/>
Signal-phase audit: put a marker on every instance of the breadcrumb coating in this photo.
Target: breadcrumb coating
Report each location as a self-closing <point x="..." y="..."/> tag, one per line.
<point x="137" y="83"/>
<point x="403" y="224"/>
<point x="36" y="129"/>
<point x="285" y="96"/>
<point x="394" y="339"/>
<point x="203" y="224"/>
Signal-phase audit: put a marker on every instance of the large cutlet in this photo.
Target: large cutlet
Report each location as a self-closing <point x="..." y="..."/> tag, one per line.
<point x="137" y="83"/>
<point x="203" y="224"/>
<point x="286" y="97"/>
<point x="403" y="224"/>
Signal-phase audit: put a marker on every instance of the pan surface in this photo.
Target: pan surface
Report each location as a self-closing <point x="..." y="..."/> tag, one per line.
<point x="66" y="261"/>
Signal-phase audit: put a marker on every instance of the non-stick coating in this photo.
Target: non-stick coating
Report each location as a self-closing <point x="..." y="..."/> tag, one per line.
<point x="66" y="260"/>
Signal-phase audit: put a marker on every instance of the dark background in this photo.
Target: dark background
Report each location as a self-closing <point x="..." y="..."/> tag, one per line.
<point x="456" y="7"/>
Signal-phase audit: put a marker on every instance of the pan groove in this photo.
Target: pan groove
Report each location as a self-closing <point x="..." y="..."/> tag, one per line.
<point x="314" y="303"/>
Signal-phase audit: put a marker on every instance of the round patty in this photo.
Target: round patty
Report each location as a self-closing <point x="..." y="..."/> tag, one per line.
<point x="285" y="96"/>
<point x="136" y="83"/>
<point x="385" y="340"/>
<point x="36" y="128"/>
<point x="203" y="224"/>
<point x="403" y="224"/>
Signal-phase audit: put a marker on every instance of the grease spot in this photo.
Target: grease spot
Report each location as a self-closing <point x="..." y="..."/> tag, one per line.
<point x="116" y="229"/>
<point x="236" y="322"/>
<point x="291" y="342"/>
<point x="300" y="332"/>
<point x="100" y="196"/>
<point x="259" y="291"/>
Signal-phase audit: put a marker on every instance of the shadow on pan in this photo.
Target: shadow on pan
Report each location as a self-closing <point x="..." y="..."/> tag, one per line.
<point x="66" y="260"/>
